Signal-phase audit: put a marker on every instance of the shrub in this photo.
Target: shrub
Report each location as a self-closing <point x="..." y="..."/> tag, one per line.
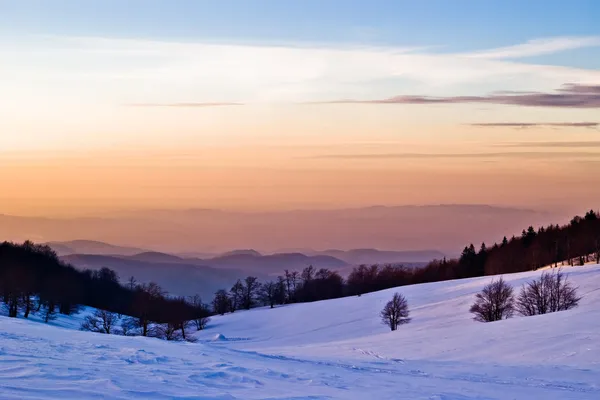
<point x="550" y="293"/>
<point x="100" y="322"/>
<point x="494" y="303"/>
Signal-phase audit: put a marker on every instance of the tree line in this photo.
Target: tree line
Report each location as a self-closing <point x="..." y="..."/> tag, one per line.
<point x="34" y="280"/>
<point x="575" y="243"/>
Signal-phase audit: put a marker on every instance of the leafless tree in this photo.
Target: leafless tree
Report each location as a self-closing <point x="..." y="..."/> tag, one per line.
<point x="128" y="327"/>
<point x="202" y="312"/>
<point x="268" y="293"/>
<point x="168" y="331"/>
<point x="550" y="293"/>
<point x="236" y="296"/>
<point x="251" y="286"/>
<point x="131" y="283"/>
<point x="221" y="303"/>
<point x="494" y="303"/>
<point x="101" y="321"/>
<point x="144" y="298"/>
<point x="395" y="312"/>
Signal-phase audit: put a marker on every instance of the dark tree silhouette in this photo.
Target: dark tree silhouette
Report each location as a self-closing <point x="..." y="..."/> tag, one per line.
<point x="268" y="293"/>
<point x="100" y="322"/>
<point x="395" y="312"/>
<point x="251" y="287"/>
<point x="281" y="290"/>
<point x="237" y="296"/>
<point x="494" y="303"/>
<point x="201" y="314"/>
<point x="221" y="303"/>
<point x="552" y="292"/>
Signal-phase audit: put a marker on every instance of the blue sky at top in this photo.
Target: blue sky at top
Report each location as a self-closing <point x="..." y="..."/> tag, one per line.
<point x="454" y="47"/>
<point x="453" y="25"/>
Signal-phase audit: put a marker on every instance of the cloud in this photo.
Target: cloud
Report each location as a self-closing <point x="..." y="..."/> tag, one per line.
<point x="495" y="155"/>
<point x="570" y="144"/>
<point x="538" y="47"/>
<point x="187" y="105"/>
<point x="164" y="72"/>
<point x="569" y="96"/>
<point x="525" y="125"/>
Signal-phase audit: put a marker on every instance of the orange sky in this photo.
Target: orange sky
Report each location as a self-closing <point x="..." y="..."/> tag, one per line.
<point x="424" y="164"/>
<point x="95" y="125"/>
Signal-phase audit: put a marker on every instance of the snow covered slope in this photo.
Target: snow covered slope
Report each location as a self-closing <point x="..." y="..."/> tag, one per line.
<point x="335" y="349"/>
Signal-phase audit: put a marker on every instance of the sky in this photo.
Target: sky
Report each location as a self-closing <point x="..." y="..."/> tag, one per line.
<point x="272" y="105"/>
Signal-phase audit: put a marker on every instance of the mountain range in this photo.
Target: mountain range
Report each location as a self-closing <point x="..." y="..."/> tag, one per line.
<point x="184" y="275"/>
<point x="207" y="233"/>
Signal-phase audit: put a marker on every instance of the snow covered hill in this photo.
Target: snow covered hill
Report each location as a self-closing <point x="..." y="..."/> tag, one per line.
<point x="335" y="349"/>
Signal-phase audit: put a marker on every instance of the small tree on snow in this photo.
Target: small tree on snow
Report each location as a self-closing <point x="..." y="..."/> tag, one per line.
<point x="494" y="303"/>
<point x="100" y="322"/>
<point x="395" y="312"/>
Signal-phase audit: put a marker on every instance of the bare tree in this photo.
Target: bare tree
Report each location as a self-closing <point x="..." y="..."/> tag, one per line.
<point x="221" y="303"/>
<point x="128" y="327"/>
<point x="237" y="296"/>
<point x="202" y="312"/>
<point x="251" y="286"/>
<point x="169" y="331"/>
<point x="131" y="283"/>
<point x="268" y="293"/>
<point x="281" y="293"/>
<point x="550" y="293"/>
<point x="395" y="312"/>
<point x="143" y="304"/>
<point x="101" y="321"/>
<point x="49" y="309"/>
<point x="291" y="281"/>
<point x="494" y="303"/>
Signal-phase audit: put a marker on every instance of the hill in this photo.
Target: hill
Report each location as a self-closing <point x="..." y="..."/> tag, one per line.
<point x="374" y="256"/>
<point x="92" y="247"/>
<point x="274" y="263"/>
<point x="177" y="278"/>
<point x="336" y="349"/>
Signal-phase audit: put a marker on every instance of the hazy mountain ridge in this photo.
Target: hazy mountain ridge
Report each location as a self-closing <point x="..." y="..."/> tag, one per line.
<point x="177" y="278"/>
<point x="446" y="228"/>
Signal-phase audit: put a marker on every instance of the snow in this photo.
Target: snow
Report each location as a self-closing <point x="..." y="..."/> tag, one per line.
<point x="335" y="349"/>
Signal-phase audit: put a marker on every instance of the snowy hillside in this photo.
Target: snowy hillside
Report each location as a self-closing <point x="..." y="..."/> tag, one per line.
<point x="335" y="349"/>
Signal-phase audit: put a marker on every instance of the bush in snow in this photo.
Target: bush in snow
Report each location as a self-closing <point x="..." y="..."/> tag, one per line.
<point x="100" y="321"/>
<point x="395" y="312"/>
<point x="494" y="303"/>
<point x="550" y="293"/>
<point x="202" y="312"/>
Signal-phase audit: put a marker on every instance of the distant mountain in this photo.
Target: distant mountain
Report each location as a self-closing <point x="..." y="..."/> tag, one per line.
<point x="447" y="228"/>
<point x="157" y="257"/>
<point x="253" y="253"/>
<point x="188" y="276"/>
<point x="91" y="247"/>
<point x="374" y="256"/>
<point x="177" y="278"/>
<point x="274" y="263"/>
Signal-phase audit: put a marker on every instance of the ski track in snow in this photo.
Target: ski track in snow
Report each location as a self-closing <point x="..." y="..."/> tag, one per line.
<point x="335" y="349"/>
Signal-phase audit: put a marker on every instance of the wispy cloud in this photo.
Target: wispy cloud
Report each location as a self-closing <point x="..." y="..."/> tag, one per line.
<point x="186" y="105"/>
<point x="136" y="71"/>
<point x="495" y="155"/>
<point x="569" y="96"/>
<point x="538" y="47"/>
<point x="567" y="144"/>
<point x="525" y="125"/>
